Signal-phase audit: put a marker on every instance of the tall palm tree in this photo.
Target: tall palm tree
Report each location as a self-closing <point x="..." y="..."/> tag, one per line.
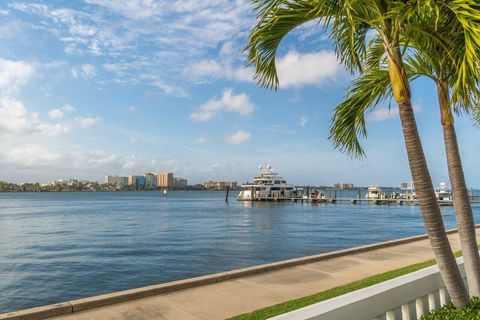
<point x="439" y="60"/>
<point x="349" y="22"/>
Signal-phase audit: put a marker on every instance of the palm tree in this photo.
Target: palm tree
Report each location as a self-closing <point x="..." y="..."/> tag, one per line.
<point x="349" y="22"/>
<point x="439" y="60"/>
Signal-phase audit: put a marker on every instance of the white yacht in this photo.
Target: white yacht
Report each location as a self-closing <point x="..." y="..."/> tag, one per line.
<point x="373" y="193"/>
<point x="268" y="186"/>
<point x="444" y="196"/>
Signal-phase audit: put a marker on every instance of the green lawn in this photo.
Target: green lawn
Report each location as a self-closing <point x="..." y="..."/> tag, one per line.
<point x="284" y="307"/>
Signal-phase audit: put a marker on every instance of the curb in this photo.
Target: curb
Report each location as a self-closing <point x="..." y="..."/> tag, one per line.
<point x="73" y="306"/>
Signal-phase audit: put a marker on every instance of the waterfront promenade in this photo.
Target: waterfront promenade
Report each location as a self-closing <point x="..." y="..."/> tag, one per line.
<point x="246" y="290"/>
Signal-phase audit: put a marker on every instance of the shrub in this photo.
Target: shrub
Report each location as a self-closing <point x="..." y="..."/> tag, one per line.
<point x="449" y="312"/>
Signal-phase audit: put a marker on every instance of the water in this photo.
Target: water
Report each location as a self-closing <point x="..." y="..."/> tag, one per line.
<point x="61" y="246"/>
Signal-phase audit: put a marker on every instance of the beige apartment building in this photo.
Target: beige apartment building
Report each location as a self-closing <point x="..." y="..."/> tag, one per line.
<point x="165" y="180"/>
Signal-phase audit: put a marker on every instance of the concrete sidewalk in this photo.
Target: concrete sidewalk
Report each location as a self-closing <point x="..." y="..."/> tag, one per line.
<point x="245" y="294"/>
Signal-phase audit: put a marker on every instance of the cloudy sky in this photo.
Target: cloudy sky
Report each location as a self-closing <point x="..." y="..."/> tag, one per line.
<point x="96" y="87"/>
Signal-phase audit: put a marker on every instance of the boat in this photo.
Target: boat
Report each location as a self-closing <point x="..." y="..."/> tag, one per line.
<point x="373" y="193"/>
<point x="268" y="186"/>
<point x="444" y="196"/>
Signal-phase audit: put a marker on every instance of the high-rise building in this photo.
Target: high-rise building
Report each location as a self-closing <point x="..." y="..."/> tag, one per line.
<point x="120" y="181"/>
<point x="150" y="180"/>
<point x="137" y="181"/>
<point x="407" y="185"/>
<point x="179" y="182"/>
<point x="165" y="180"/>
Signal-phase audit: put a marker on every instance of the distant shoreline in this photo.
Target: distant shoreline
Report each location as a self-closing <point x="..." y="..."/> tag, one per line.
<point x="114" y="191"/>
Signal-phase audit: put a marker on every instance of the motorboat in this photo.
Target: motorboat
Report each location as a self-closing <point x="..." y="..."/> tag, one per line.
<point x="443" y="194"/>
<point x="373" y="193"/>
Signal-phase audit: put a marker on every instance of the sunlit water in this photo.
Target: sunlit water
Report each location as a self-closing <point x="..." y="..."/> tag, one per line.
<point x="61" y="246"/>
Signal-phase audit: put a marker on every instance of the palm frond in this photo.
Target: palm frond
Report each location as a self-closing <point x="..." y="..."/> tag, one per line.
<point x="276" y="18"/>
<point x="468" y="72"/>
<point x="348" y="121"/>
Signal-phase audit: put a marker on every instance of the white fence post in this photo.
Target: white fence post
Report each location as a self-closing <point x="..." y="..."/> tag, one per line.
<point x="406" y="312"/>
<point x="419" y="307"/>
<point x="390" y="315"/>
<point x="431" y="302"/>
<point x="442" y="292"/>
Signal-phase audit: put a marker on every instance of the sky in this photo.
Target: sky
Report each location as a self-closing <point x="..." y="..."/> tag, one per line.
<point x="118" y="87"/>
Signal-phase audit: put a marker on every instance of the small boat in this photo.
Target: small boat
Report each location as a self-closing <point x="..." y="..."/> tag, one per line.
<point x="164" y="192"/>
<point x="444" y="196"/>
<point x="373" y="193"/>
<point x="268" y="186"/>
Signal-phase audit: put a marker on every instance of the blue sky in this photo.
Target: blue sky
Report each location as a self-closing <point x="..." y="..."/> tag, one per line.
<point x="96" y="87"/>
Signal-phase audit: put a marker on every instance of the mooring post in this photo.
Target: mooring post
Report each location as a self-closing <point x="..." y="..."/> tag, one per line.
<point x="226" y="196"/>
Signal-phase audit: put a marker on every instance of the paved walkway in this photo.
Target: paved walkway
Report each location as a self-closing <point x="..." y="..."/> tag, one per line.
<point x="232" y="297"/>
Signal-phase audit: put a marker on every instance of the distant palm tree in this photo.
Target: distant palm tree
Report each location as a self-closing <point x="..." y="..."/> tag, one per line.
<point x="350" y="23"/>
<point x="439" y="60"/>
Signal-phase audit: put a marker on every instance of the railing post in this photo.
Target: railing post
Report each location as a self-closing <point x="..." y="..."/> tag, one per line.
<point x="442" y="292"/>
<point x="419" y="307"/>
<point x="431" y="301"/>
<point x="405" y="312"/>
<point x="390" y="315"/>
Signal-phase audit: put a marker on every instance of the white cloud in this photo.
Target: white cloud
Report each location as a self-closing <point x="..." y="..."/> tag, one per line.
<point x="132" y="108"/>
<point x="17" y="122"/>
<point x="86" y="122"/>
<point x="56" y="114"/>
<point x="303" y="121"/>
<point x="212" y="69"/>
<point x="12" y="30"/>
<point x="68" y="108"/>
<point x="382" y="114"/>
<point x="134" y="9"/>
<point x="386" y="113"/>
<point x="202" y="140"/>
<point x="75" y="73"/>
<point x="238" y="137"/>
<point x="89" y="70"/>
<point x="294" y="69"/>
<point x="223" y="67"/>
<point x="14" y="74"/>
<point x="133" y="140"/>
<point x="300" y="69"/>
<point x="55" y="160"/>
<point x="240" y="104"/>
<point x="148" y="37"/>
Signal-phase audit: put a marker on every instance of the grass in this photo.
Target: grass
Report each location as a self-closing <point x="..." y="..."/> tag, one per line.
<point x="291" y="305"/>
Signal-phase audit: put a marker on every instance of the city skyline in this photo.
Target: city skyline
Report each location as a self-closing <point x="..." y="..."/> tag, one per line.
<point x="93" y="87"/>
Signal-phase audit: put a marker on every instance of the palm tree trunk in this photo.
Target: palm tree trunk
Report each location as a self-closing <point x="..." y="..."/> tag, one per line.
<point x="463" y="209"/>
<point x="432" y="217"/>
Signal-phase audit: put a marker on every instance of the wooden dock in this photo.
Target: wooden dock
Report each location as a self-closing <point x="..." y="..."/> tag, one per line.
<point x="355" y="201"/>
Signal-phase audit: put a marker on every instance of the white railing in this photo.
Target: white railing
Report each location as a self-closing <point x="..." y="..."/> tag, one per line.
<point x="403" y="298"/>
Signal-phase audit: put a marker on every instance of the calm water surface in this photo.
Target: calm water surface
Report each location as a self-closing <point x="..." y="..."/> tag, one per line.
<point x="61" y="246"/>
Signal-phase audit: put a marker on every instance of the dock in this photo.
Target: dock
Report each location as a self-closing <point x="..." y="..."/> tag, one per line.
<point x="226" y="294"/>
<point x="387" y="201"/>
